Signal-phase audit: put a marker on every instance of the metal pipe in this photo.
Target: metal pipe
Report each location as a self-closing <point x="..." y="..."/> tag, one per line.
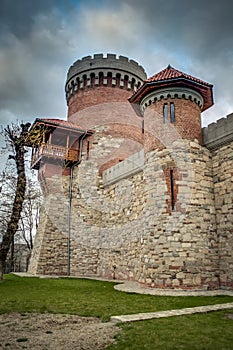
<point x="70" y="199"/>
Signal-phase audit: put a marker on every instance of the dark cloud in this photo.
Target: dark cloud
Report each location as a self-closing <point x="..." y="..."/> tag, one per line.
<point x="196" y="37"/>
<point x="40" y="39"/>
<point x="175" y="19"/>
<point x="34" y="55"/>
<point x="17" y="16"/>
<point x="196" y="28"/>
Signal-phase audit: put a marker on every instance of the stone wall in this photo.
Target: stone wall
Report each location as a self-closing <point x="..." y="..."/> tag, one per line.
<point x="218" y="134"/>
<point x="127" y="229"/>
<point x="123" y="224"/>
<point x="218" y="137"/>
<point x="223" y="190"/>
<point x="106" y="223"/>
<point x="125" y="168"/>
<point x="180" y="246"/>
<point x="138" y="236"/>
<point x="49" y="255"/>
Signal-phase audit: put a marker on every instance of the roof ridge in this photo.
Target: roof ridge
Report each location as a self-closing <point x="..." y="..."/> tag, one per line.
<point x="172" y="73"/>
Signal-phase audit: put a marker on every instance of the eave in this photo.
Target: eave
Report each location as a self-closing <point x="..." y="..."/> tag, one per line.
<point x="204" y="89"/>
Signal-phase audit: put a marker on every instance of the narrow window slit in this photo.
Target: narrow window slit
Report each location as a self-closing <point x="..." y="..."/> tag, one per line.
<point x="165" y="113"/>
<point x="172" y="189"/>
<point x="88" y="149"/>
<point x="172" y="112"/>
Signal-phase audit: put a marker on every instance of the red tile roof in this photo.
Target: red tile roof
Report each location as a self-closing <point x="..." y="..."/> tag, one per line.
<point x="172" y="73"/>
<point x="55" y="123"/>
<point x="173" y="77"/>
<point x="59" y="122"/>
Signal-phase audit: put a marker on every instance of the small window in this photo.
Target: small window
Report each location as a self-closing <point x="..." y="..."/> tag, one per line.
<point x="92" y="79"/>
<point x="165" y="113"/>
<point x="118" y="79"/>
<point x="101" y="78"/>
<point x="84" y="80"/>
<point x="109" y="78"/>
<point x="172" y="113"/>
<point x="132" y="83"/>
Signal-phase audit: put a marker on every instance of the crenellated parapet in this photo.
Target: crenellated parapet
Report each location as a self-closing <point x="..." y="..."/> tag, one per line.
<point x="104" y="71"/>
<point x="219" y="133"/>
<point x="172" y="92"/>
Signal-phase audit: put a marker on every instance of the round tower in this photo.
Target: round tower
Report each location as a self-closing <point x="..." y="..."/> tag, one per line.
<point x="98" y="79"/>
<point x="177" y="100"/>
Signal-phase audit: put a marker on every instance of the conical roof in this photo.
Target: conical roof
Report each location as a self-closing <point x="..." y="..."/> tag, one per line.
<point x="173" y="77"/>
<point x="172" y="73"/>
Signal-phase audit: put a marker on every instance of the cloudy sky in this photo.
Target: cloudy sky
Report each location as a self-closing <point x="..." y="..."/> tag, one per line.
<point x="40" y="39"/>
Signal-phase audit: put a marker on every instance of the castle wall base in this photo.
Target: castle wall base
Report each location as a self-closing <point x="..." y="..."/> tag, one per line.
<point x="127" y="230"/>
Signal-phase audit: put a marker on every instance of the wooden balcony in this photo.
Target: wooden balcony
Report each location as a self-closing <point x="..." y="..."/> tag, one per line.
<point x="53" y="152"/>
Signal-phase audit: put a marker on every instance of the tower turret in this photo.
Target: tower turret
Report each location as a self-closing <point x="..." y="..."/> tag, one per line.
<point x="177" y="98"/>
<point x="98" y="79"/>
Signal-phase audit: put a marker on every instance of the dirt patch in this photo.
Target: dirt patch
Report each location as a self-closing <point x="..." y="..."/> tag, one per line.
<point x="229" y="316"/>
<point x="48" y="332"/>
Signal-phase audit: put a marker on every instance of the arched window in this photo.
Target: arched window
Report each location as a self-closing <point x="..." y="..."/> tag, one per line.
<point x="126" y="79"/>
<point x="78" y="82"/>
<point x="92" y="79"/>
<point x="118" y="79"/>
<point x="133" y="84"/>
<point x="84" y="80"/>
<point x="101" y="78"/>
<point x="109" y="78"/>
<point x="172" y="113"/>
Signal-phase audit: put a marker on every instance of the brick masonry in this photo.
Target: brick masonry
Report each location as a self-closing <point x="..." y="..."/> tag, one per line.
<point x="166" y="225"/>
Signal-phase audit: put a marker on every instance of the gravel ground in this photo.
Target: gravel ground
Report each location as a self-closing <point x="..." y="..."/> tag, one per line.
<point x="54" y="332"/>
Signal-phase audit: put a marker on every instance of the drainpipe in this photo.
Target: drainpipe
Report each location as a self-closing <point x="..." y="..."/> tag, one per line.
<point x="70" y="198"/>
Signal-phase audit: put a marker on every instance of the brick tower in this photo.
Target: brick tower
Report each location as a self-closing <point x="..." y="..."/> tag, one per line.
<point x="176" y="98"/>
<point x="98" y="79"/>
<point x="97" y="93"/>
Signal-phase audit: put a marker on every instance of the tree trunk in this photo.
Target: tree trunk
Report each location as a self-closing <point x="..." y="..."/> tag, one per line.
<point x="2" y="268"/>
<point x="16" y="209"/>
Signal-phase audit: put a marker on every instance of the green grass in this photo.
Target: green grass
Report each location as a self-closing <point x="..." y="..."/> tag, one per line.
<point x="86" y="297"/>
<point x="212" y="331"/>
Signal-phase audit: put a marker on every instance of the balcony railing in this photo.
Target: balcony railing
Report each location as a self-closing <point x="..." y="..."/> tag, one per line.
<point x="55" y="152"/>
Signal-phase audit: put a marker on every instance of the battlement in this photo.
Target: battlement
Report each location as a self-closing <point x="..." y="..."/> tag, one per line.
<point x="218" y="133"/>
<point x="109" y="71"/>
<point x="126" y="168"/>
<point x="110" y="61"/>
<point x="214" y="135"/>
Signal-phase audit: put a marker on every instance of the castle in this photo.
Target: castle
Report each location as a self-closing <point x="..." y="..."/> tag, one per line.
<point x="134" y="188"/>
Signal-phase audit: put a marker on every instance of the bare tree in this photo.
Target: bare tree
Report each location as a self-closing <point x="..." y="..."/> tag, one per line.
<point x="22" y="243"/>
<point x="30" y="215"/>
<point x="8" y="186"/>
<point x="16" y="139"/>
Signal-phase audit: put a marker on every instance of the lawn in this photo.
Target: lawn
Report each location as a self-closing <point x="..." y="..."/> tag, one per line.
<point x="212" y="331"/>
<point x="86" y="297"/>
